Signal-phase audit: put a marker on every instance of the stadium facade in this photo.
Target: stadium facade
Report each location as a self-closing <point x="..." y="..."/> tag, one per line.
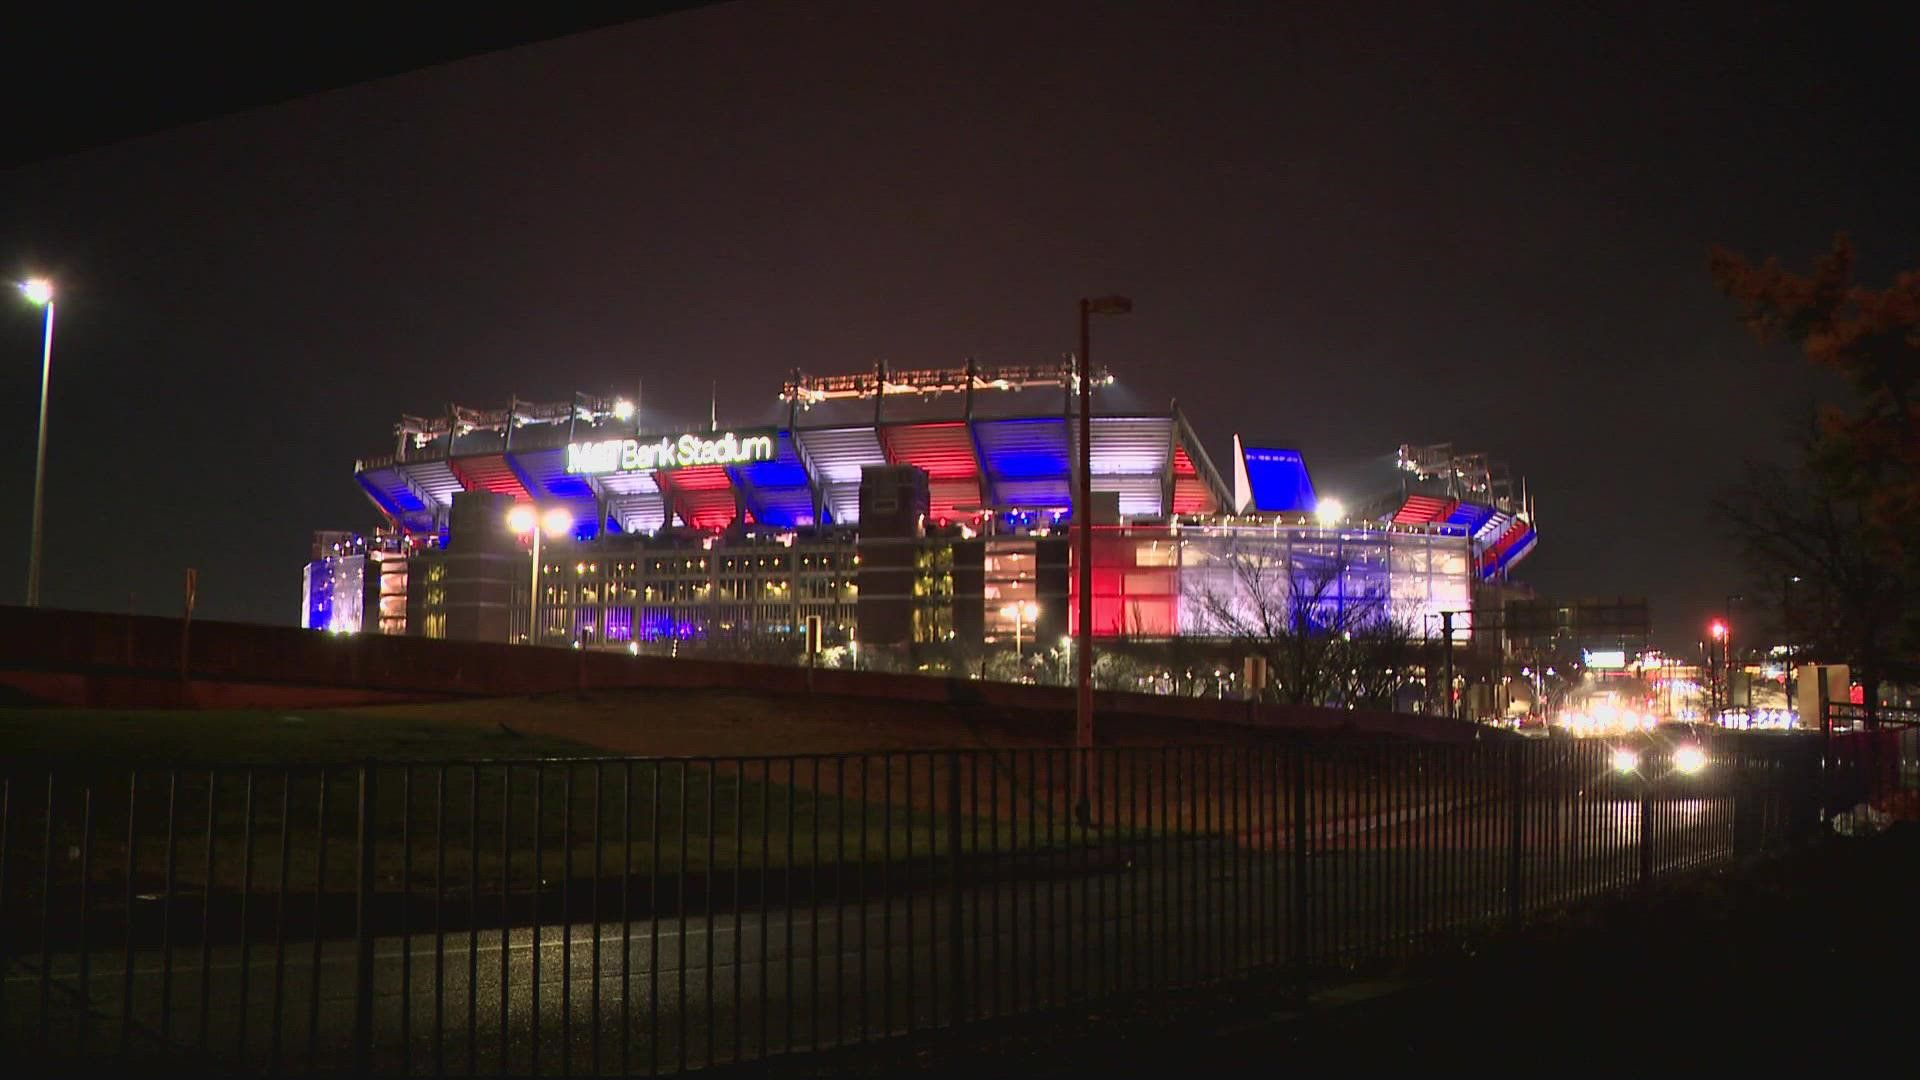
<point x="898" y="507"/>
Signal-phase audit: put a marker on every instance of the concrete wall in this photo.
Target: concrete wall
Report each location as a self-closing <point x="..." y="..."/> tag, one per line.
<point x="103" y="660"/>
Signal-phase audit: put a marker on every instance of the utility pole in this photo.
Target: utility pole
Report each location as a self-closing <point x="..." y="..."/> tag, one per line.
<point x="1726" y="645"/>
<point x="1446" y="632"/>
<point x="1787" y="581"/>
<point x="1083" y="521"/>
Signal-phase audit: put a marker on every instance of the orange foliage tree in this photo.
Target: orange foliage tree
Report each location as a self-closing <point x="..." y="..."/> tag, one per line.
<point x="1863" y="467"/>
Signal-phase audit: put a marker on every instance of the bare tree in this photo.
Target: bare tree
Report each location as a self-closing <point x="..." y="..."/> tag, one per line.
<point x="1326" y="634"/>
<point x="1850" y="601"/>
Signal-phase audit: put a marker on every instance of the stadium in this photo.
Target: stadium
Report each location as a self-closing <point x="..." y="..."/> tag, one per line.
<point x="900" y="508"/>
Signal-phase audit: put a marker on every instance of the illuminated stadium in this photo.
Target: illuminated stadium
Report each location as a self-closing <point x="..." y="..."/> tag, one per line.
<point x="898" y="506"/>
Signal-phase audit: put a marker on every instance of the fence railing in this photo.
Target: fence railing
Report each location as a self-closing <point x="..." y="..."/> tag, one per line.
<point x="655" y="916"/>
<point x="1873" y="757"/>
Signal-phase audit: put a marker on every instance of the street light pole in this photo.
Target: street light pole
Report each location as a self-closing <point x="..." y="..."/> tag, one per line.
<point x="533" y="592"/>
<point x="1726" y="647"/>
<point x="1017" y="610"/>
<point x="525" y="518"/>
<point x="40" y="292"/>
<point x="1787" y="581"/>
<point x="1083" y="519"/>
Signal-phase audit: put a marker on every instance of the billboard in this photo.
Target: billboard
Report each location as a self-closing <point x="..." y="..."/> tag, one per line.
<point x="1605" y="659"/>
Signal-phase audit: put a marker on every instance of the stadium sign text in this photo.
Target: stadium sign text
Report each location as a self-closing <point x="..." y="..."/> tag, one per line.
<point x="632" y="455"/>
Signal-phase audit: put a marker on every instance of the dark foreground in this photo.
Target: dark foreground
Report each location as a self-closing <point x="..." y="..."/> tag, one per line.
<point x="1808" y="959"/>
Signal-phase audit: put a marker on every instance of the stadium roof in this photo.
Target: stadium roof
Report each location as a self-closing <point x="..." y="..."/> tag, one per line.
<point x="991" y="441"/>
<point x="999" y="440"/>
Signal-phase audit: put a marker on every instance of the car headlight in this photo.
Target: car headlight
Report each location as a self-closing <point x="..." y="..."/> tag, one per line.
<point x="1625" y="760"/>
<point x="1689" y="759"/>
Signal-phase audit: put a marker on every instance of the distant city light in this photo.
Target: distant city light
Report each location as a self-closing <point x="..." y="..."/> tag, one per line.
<point x="1606" y="659"/>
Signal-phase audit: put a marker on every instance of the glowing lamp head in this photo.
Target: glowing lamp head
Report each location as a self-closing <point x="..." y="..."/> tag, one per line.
<point x="1625" y="760"/>
<point x="1718" y="629"/>
<point x="556" y="522"/>
<point x="623" y="409"/>
<point x="1689" y="759"/>
<point x="38" y="291"/>
<point x="1330" y="511"/>
<point x="521" y="519"/>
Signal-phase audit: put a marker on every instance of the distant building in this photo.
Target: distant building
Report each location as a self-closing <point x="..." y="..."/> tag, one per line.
<point x="899" y="507"/>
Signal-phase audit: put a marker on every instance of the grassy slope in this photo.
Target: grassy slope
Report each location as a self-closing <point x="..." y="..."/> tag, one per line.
<point x="716" y="722"/>
<point x="638" y="722"/>
<point x="257" y="736"/>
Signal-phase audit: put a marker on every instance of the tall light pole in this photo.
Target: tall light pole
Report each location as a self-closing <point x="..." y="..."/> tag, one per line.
<point x="1787" y="582"/>
<point x="524" y="519"/>
<point x="1726" y="645"/>
<point x="40" y="291"/>
<point x="1083" y="518"/>
<point x="1029" y="609"/>
<point x="1718" y="631"/>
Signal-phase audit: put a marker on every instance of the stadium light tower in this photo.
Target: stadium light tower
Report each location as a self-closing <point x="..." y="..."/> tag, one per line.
<point x="524" y="519"/>
<point x="1083" y="515"/>
<point x="39" y="292"/>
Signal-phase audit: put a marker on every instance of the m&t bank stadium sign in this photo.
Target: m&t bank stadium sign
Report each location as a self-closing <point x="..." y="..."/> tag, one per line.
<point x="633" y="455"/>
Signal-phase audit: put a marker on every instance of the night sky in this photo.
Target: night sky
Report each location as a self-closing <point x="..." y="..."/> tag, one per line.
<point x="1342" y="230"/>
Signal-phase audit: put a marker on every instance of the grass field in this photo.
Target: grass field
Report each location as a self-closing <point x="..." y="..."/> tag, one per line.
<point x="273" y="736"/>
<point x="232" y="800"/>
<point x="638" y="723"/>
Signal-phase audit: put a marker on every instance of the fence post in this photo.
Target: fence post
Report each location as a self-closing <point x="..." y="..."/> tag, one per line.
<point x="1646" y="831"/>
<point x="1297" y="928"/>
<point x="956" y="924"/>
<point x="1516" y="831"/>
<point x="363" y="929"/>
<point x="1745" y="820"/>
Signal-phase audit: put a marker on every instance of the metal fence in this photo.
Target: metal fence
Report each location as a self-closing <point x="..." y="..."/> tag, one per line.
<point x="1873" y="757"/>
<point x="655" y="916"/>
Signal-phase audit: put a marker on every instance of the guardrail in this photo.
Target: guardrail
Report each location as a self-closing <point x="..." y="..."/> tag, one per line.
<point x="662" y="915"/>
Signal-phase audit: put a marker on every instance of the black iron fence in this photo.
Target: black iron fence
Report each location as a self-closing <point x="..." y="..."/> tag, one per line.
<point x="1873" y="758"/>
<point x="655" y="916"/>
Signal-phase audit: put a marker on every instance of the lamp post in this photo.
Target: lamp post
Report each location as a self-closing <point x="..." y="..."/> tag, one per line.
<point x="1083" y="516"/>
<point x="1787" y="582"/>
<point x="1726" y="646"/>
<point x="39" y="292"/>
<point x="524" y="519"/>
<point x="1718" y="631"/>
<point x="1030" y="610"/>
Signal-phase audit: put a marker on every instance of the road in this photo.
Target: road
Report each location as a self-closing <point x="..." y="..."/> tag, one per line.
<point x="662" y="995"/>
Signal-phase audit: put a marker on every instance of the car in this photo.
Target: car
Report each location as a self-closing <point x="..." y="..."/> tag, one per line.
<point x="1676" y="754"/>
